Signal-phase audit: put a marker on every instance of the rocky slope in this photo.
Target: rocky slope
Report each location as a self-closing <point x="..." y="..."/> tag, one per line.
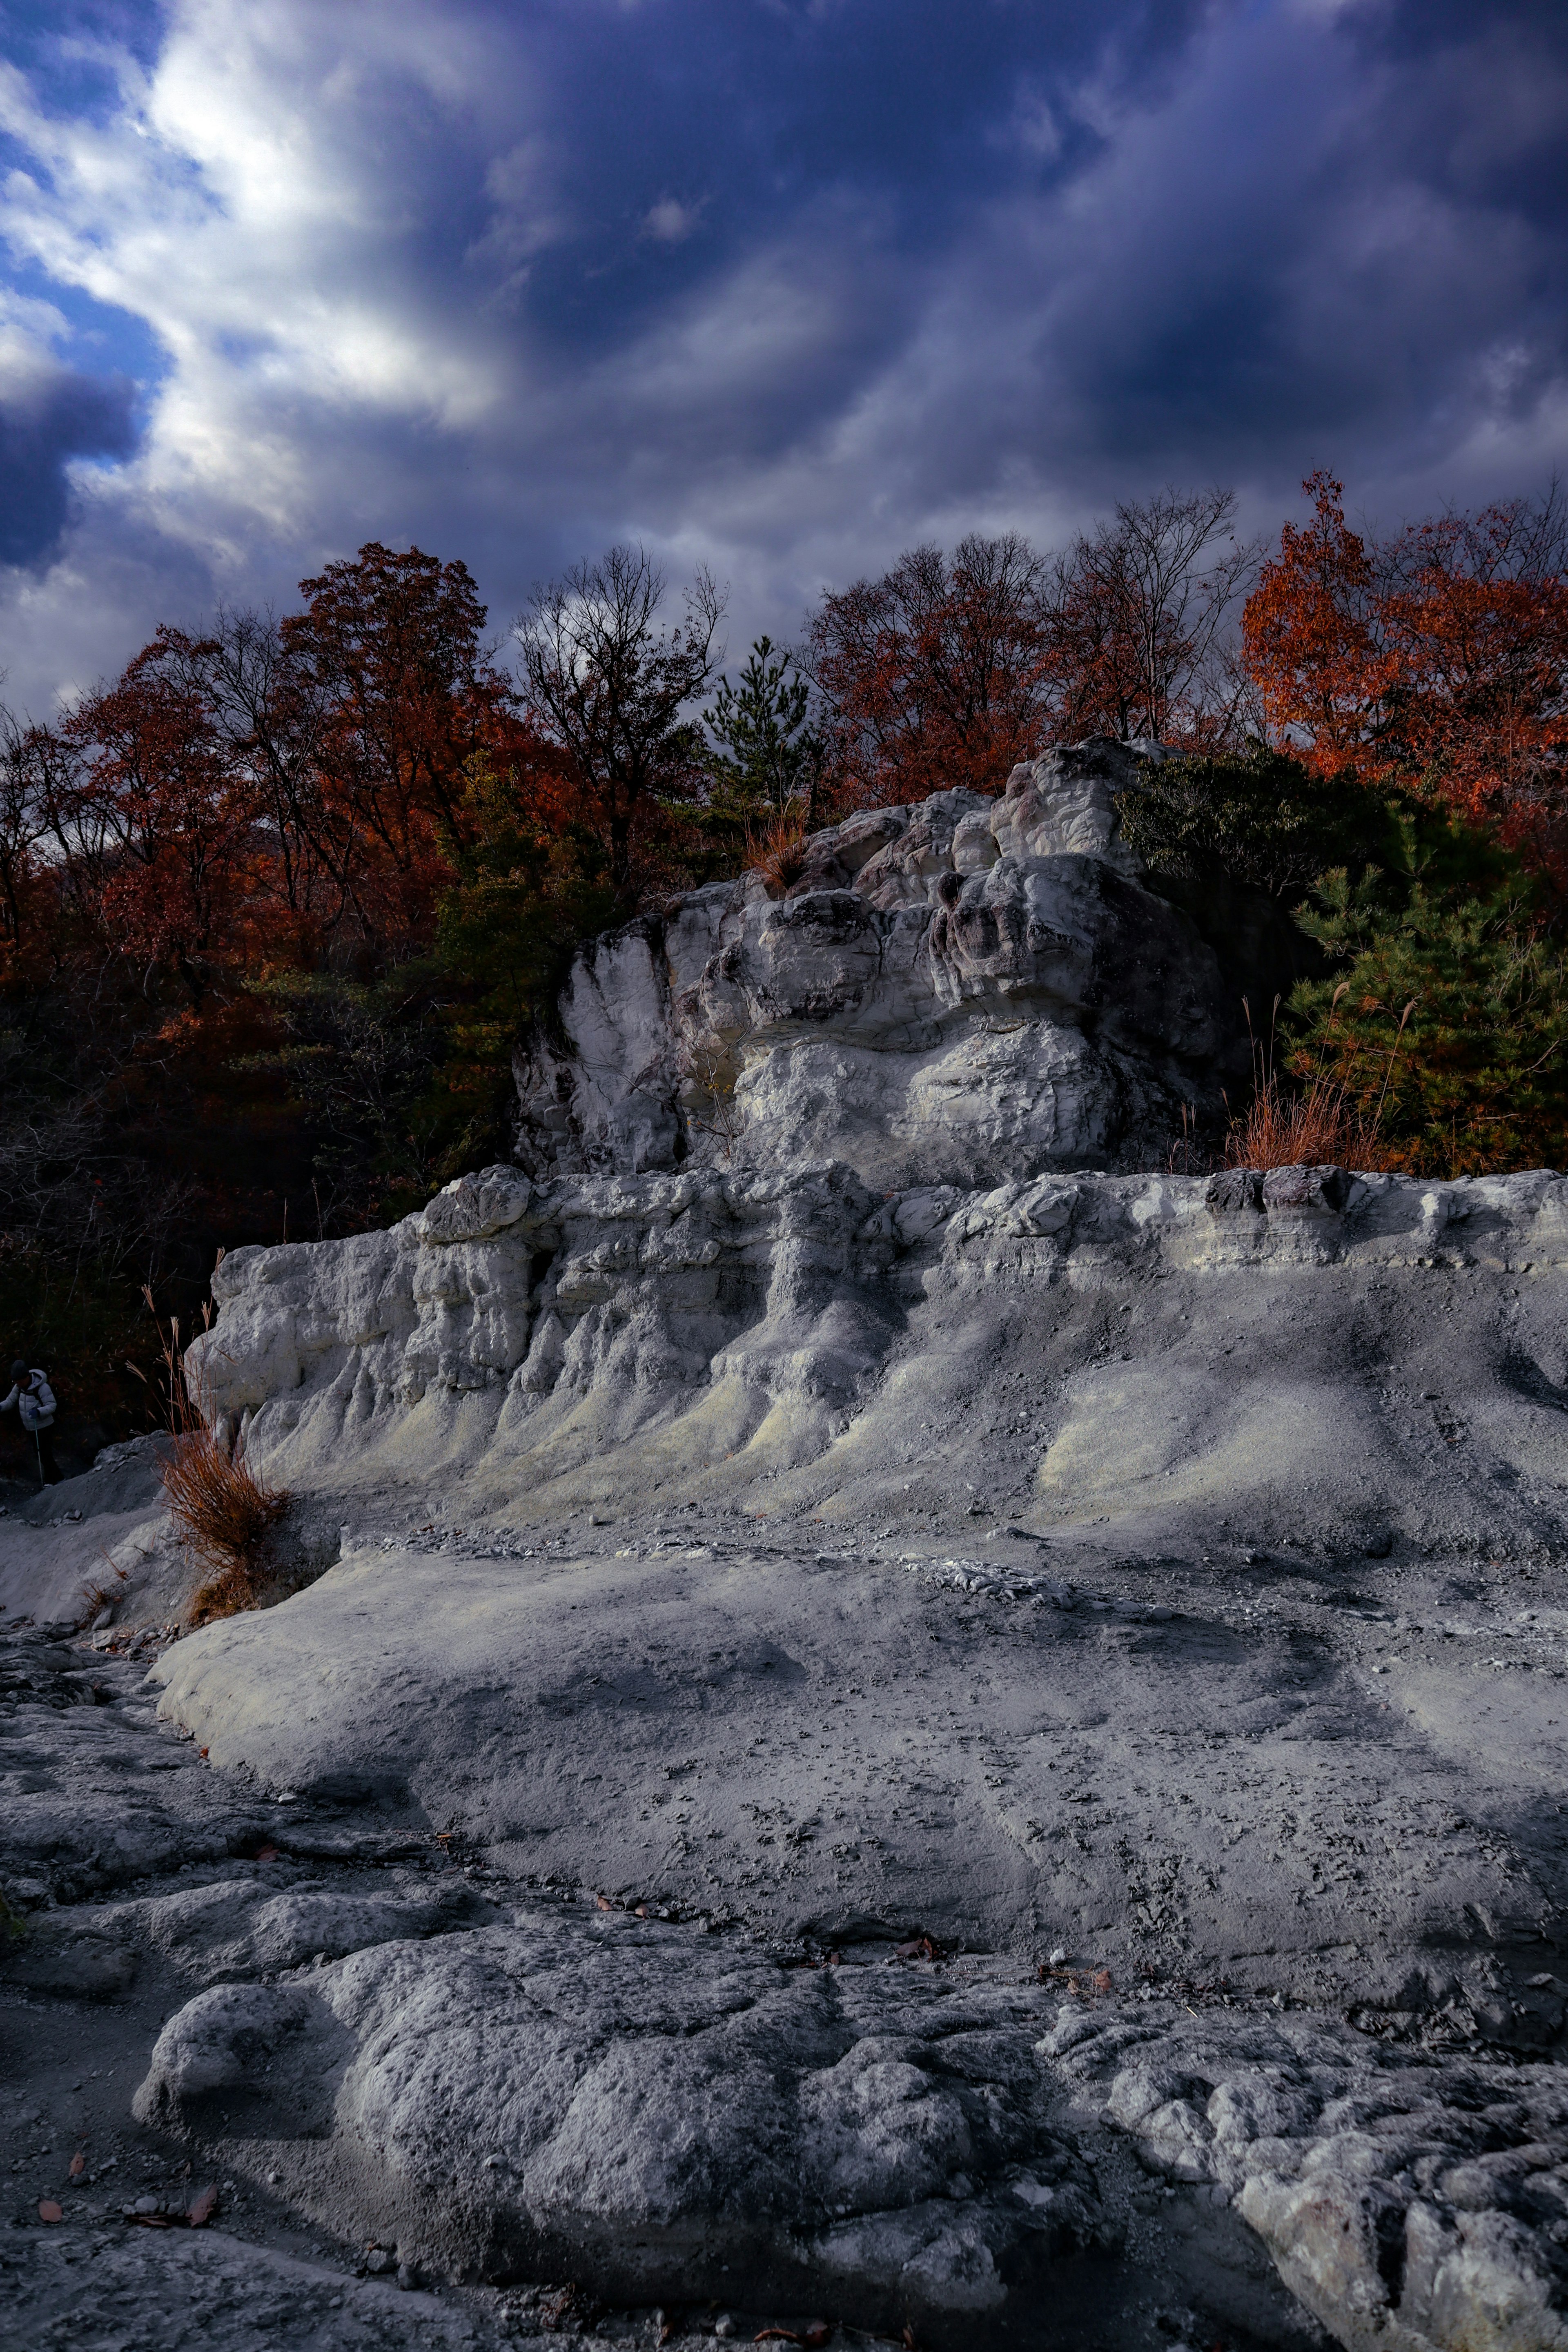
<point x="896" y="1733"/>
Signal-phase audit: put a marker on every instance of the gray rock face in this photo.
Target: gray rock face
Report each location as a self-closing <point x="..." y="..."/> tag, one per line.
<point x="681" y="2121"/>
<point x="605" y="1330"/>
<point x="1407" y="2204"/>
<point x="966" y="989"/>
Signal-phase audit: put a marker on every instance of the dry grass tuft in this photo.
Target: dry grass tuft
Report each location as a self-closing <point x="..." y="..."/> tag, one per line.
<point x="222" y="1510"/>
<point x="1323" y="1126"/>
<point x="778" y="852"/>
<point x="223" y="1513"/>
<point x="97" y="1597"/>
<point x="1315" y="1129"/>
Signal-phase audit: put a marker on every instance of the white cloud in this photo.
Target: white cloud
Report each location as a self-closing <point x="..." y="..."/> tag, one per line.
<point x="670" y="222"/>
<point x="247" y="201"/>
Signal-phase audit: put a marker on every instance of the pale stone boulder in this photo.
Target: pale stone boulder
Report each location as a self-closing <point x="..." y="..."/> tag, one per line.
<point x="967" y="990"/>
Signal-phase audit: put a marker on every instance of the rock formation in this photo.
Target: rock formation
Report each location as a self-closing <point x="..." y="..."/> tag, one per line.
<point x="961" y="991"/>
<point x="899" y="1728"/>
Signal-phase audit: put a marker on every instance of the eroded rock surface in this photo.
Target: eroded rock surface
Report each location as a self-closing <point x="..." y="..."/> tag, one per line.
<point x="963" y="990"/>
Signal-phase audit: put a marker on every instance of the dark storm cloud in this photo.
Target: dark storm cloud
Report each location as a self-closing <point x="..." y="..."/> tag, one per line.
<point x="41" y="429"/>
<point x="782" y="286"/>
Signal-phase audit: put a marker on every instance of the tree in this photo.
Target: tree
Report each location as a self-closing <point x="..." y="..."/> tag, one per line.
<point x="1445" y="1019"/>
<point x="398" y="702"/>
<point x="935" y="675"/>
<point x="29" y="763"/>
<point x="154" y="823"/>
<point x="1139" y="610"/>
<point x="1312" y="636"/>
<point x="1474" y="609"/>
<point x="1437" y="659"/>
<point x="273" y="710"/>
<point x="1259" y="817"/>
<point x="768" y="756"/>
<point x="615" y="692"/>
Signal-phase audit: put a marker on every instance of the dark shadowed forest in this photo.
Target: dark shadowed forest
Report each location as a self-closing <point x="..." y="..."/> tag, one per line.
<point x="276" y="903"/>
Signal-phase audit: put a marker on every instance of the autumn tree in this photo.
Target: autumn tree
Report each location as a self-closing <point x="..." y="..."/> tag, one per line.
<point x="1138" y="614"/>
<point x="1436" y="658"/>
<point x="616" y="692"/>
<point x="934" y="674"/>
<point x="273" y="707"/>
<point x="389" y="681"/>
<point x="153" y="822"/>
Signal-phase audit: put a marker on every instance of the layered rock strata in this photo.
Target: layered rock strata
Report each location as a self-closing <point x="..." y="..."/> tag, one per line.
<point x="733" y="1323"/>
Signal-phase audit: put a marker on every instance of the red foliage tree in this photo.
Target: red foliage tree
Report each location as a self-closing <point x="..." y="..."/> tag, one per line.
<point x="1437" y="658"/>
<point x="387" y="661"/>
<point x="153" y="820"/>
<point x="935" y="675"/>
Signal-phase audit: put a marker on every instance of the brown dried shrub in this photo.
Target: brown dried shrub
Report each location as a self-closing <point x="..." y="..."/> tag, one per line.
<point x="222" y="1512"/>
<point x="1323" y="1125"/>
<point x="778" y="852"/>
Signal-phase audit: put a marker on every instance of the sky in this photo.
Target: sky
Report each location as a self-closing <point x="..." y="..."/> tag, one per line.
<point x="779" y="286"/>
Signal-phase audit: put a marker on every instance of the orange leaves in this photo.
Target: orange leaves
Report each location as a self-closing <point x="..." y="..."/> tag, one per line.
<point x="933" y="674"/>
<point x="1437" y="659"/>
<point x="777" y="852"/>
<point x="947" y="671"/>
<point x="1309" y="633"/>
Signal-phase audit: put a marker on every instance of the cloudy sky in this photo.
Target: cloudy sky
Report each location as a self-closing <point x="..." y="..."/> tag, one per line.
<point x="782" y="285"/>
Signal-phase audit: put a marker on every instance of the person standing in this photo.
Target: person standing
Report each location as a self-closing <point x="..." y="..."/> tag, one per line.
<point x="34" y="1401"/>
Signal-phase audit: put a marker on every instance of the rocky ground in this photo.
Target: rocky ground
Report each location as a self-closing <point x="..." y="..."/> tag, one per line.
<point x="1025" y="1945"/>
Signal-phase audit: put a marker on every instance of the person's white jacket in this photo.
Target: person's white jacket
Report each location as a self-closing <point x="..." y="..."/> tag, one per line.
<point x="36" y="1402"/>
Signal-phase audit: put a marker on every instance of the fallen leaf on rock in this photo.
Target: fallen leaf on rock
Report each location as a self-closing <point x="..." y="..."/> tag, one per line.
<point x="777" y="2336"/>
<point x="266" y="1853"/>
<point x="151" y="2220"/>
<point x="1101" y="1981"/>
<point x="48" y="2211"/>
<point x="919" y="1948"/>
<point x="909" y="2338"/>
<point x="603" y="1902"/>
<point x="79" y="2165"/>
<point x="203" y="2205"/>
<point x="817" y="2333"/>
<point x="202" y="1753"/>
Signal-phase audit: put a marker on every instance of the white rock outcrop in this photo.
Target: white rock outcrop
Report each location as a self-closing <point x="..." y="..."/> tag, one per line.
<point x="965" y="990"/>
<point x="759" y="1319"/>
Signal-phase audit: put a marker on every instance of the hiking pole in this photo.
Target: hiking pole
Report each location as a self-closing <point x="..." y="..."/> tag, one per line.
<point x="38" y="1444"/>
